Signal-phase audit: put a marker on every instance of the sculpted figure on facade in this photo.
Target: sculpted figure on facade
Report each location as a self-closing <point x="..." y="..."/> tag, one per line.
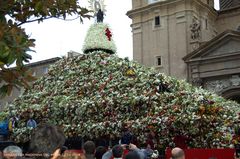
<point x="195" y="29"/>
<point x="197" y="82"/>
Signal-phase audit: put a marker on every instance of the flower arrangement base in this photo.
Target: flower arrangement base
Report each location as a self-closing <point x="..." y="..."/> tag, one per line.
<point x="205" y="153"/>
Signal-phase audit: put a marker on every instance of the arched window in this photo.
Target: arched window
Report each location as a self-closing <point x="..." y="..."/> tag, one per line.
<point x="232" y="93"/>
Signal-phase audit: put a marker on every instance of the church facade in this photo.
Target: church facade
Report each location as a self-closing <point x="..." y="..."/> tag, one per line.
<point x="189" y="39"/>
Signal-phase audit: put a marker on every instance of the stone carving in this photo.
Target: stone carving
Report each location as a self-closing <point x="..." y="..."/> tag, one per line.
<point x="218" y="86"/>
<point x="194" y="45"/>
<point x="197" y="82"/>
<point x="195" y="29"/>
<point x="235" y="80"/>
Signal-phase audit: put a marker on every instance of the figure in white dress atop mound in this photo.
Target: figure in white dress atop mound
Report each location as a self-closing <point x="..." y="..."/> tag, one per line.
<point x="98" y="7"/>
<point x="99" y="35"/>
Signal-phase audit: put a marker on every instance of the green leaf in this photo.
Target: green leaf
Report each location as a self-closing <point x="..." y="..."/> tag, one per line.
<point x="10" y="59"/>
<point x="2" y="63"/>
<point x="38" y="6"/>
<point x="3" y="90"/>
<point x="4" y="50"/>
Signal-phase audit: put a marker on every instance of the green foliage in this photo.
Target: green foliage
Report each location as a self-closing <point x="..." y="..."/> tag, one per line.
<point x="3" y="116"/>
<point x="15" y="44"/>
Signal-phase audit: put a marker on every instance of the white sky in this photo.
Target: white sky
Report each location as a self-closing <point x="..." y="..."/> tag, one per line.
<point x="54" y="37"/>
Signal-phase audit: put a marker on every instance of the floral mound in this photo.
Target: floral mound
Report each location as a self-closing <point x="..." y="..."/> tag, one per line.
<point x="96" y="94"/>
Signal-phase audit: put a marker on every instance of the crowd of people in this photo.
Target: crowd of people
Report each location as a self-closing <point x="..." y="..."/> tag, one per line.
<point x="47" y="142"/>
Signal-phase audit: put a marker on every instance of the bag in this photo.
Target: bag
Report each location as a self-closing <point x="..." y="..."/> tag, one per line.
<point x="4" y="128"/>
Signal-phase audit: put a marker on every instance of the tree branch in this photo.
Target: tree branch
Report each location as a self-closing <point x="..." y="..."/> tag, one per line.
<point x="69" y="19"/>
<point x="34" y="20"/>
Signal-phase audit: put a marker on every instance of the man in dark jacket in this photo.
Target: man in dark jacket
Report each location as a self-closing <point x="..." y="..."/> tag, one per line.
<point x="89" y="149"/>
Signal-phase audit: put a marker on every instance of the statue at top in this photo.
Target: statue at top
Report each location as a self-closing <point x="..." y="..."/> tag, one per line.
<point x="100" y="16"/>
<point x="98" y="8"/>
<point x="99" y="36"/>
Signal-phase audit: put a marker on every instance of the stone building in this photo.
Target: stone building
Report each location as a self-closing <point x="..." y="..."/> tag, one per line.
<point x="189" y="39"/>
<point x="38" y="69"/>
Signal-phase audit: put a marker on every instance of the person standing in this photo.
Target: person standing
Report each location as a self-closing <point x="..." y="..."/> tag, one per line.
<point x="116" y="153"/>
<point x="89" y="149"/>
<point x="100" y="150"/>
<point x="12" y="152"/>
<point x="177" y="153"/>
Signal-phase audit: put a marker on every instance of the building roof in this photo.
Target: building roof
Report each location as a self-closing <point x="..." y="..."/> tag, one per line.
<point x="47" y="61"/>
<point x="210" y="44"/>
<point x="39" y="63"/>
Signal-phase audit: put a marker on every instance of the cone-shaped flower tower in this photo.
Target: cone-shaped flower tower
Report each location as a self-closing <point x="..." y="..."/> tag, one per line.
<point x="99" y="37"/>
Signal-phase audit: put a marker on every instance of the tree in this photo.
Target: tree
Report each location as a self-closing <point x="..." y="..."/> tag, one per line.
<point x="15" y="44"/>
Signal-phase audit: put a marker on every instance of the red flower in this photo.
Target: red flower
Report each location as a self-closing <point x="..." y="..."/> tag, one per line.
<point x="108" y="34"/>
<point x="107" y="124"/>
<point x="211" y="102"/>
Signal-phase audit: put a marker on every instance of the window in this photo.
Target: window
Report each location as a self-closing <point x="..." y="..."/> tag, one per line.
<point x="22" y="91"/>
<point x="1" y="105"/>
<point x="45" y="70"/>
<point x="33" y="73"/>
<point x="206" y="24"/>
<point x="157" y="21"/>
<point x="12" y="92"/>
<point x="152" y="1"/>
<point x="158" y="61"/>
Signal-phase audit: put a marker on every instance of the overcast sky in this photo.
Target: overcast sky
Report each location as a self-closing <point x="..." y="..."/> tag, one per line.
<point x="54" y="38"/>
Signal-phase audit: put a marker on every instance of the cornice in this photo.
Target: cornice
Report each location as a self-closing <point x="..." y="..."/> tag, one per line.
<point x="156" y="5"/>
<point x="150" y="7"/>
<point x="211" y="43"/>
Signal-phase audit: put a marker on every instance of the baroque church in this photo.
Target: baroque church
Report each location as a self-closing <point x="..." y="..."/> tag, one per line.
<point x="189" y="39"/>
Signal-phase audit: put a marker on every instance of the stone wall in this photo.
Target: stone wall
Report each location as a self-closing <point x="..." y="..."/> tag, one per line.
<point x="184" y="25"/>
